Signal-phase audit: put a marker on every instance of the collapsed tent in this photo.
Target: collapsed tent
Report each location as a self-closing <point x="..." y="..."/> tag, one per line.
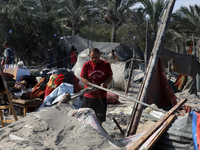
<point x="124" y="51"/>
<point x="181" y="63"/>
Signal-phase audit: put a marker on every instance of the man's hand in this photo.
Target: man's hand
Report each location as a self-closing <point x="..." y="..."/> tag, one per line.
<point x="103" y="85"/>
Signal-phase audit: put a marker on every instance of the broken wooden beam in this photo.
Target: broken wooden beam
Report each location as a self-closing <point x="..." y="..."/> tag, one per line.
<point x="167" y="123"/>
<point x="139" y="142"/>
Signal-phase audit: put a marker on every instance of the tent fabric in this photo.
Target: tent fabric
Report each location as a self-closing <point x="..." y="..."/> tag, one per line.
<point x="160" y="91"/>
<point x="185" y="64"/>
<point x="124" y="51"/>
<point x="117" y="67"/>
<point x="182" y="63"/>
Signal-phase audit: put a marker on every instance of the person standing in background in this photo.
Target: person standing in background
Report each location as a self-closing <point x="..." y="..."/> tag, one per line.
<point x="49" y="59"/>
<point x="112" y="54"/>
<point x="65" y="59"/>
<point x="8" y="57"/>
<point x="73" y="58"/>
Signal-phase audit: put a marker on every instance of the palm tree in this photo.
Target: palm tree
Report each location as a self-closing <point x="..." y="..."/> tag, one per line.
<point x="74" y="12"/>
<point x="115" y="13"/>
<point x="185" y="22"/>
<point x="154" y="10"/>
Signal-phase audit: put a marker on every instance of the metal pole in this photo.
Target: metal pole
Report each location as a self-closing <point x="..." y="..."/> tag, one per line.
<point x="146" y="51"/>
<point x="193" y="45"/>
<point x="124" y="96"/>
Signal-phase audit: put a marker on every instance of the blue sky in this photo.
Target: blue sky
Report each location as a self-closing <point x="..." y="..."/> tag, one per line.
<point x="186" y="3"/>
<point x="180" y="3"/>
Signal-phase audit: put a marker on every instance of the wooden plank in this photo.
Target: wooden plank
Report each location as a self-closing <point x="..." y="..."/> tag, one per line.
<point x="8" y="121"/>
<point x="139" y="142"/>
<point x="169" y="121"/>
<point x="1" y="117"/>
<point x="5" y="107"/>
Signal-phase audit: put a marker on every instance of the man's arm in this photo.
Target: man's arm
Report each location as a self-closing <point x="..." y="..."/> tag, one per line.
<point x="6" y="60"/>
<point x="85" y="81"/>
<point x="2" y="63"/>
<point x="107" y="81"/>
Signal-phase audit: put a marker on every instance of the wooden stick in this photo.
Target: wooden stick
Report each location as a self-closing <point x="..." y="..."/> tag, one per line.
<point x="139" y="142"/>
<point x="118" y="126"/>
<point x="169" y="121"/>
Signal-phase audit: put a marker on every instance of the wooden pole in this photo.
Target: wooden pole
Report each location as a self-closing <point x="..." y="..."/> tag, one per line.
<point x="151" y="66"/>
<point x="139" y="142"/>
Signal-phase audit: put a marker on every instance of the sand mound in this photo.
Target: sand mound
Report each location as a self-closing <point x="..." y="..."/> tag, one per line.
<point x="52" y="128"/>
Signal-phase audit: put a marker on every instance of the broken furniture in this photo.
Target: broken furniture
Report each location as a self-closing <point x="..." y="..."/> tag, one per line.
<point x="5" y="91"/>
<point x="25" y="103"/>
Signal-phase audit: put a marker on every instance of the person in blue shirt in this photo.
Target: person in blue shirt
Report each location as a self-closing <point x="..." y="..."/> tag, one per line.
<point x="9" y="56"/>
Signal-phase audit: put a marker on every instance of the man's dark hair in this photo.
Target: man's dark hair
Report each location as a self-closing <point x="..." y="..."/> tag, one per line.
<point x="6" y="43"/>
<point x="96" y="50"/>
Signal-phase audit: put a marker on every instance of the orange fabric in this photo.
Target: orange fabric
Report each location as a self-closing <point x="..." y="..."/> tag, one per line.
<point x="190" y="50"/>
<point x="181" y="81"/>
<point x="38" y="93"/>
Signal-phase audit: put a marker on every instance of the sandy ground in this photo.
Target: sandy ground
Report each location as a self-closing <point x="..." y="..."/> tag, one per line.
<point x="53" y="128"/>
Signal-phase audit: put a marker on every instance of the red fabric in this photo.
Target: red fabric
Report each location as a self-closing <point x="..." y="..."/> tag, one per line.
<point x="73" y="57"/>
<point x="160" y="92"/>
<point x="198" y="128"/>
<point x="96" y="73"/>
<point x="54" y="82"/>
<point x="77" y="87"/>
<point x="112" y="98"/>
<point x="8" y="76"/>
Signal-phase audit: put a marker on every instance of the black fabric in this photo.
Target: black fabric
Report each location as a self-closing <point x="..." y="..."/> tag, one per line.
<point x="44" y="83"/>
<point x="68" y="76"/>
<point x="96" y="105"/>
<point x="2" y="88"/>
<point x="30" y="79"/>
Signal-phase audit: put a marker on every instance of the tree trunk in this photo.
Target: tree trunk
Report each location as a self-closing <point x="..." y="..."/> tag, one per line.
<point x="113" y="37"/>
<point x="74" y="30"/>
